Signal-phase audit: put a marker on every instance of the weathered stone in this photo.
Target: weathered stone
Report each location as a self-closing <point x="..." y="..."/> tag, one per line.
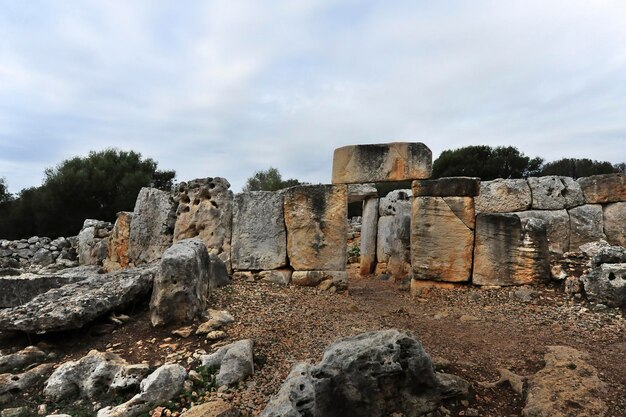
<point x="393" y="245"/>
<point x="557" y="227"/>
<point x="606" y="283"/>
<point x="14" y="384"/>
<point x="503" y="196"/>
<point x="606" y="188"/>
<point x="42" y="257"/>
<point x="555" y="193"/>
<point x="276" y="276"/>
<point x="441" y="241"/>
<point x="614" y="216"/>
<point x="92" y="377"/>
<point x="216" y="408"/>
<point x="361" y="192"/>
<point x="159" y="387"/>
<point x="90" y="245"/>
<point x="152" y="226"/>
<point x="566" y="386"/>
<point x="396" y="161"/>
<point x="586" y="225"/>
<point x="235" y="362"/>
<point x="316" y="220"/>
<point x="315" y="278"/>
<point x="73" y="305"/>
<point x="118" y="242"/>
<point x="394" y="202"/>
<point x="259" y="234"/>
<point x="510" y="251"/>
<point x="369" y="228"/>
<point x="217" y="319"/>
<point x="205" y="211"/>
<point x="181" y="285"/>
<point x="370" y="375"/>
<point x="446" y="187"/>
<point x="19" y="360"/>
<point x="218" y="272"/>
<point x="20" y="289"/>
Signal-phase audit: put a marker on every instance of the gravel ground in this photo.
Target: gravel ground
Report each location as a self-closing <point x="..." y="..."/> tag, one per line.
<point x="470" y="331"/>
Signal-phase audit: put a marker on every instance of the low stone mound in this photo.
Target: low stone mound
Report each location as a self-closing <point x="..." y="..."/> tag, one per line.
<point x="373" y="374"/>
<point x="74" y="305"/>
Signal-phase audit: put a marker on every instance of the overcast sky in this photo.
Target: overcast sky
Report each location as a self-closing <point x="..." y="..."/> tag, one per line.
<point x="226" y="88"/>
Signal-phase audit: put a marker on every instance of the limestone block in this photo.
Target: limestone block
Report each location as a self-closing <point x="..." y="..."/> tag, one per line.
<point x="394" y="241"/>
<point x="555" y="193"/>
<point x="205" y="211"/>
<point x="89" y="239"/>
<point x="615" y="223"/>
<point x="398" y="161"/>
<point x="510" y="251"/>
<point x="586" y="225"/>
<point x="606" y="283"/>
<point x="369" y="227"/>
<point x="441" y="240"/>
<point x="118" y="242"/>
<point x="361" y="192"/>
<point x="607" y="188"/>
<point x="181" y="285"/>
<point x="394" y="202"/>
<point x="317" y="226"/>
<point x="314" y="278"/>
<point x="259" y="235"/>
<point x="277" y="276"/>
<point x="503" y="196"/>
<point x="446" y="187"/>
<point x="152" y="226"/>
<point x="557" y="227"/>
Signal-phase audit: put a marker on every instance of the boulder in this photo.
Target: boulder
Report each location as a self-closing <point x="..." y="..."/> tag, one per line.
<point x="181" y="285"/>
<point x="361" y="192"/>
<point x="614" y="217"/>
<point x="370" y="375"/>
<point x="314" y="278"/>
<point x="447" y="187"/>
<point x="159" y="387"/>
<point x="218" y="272"/>
<point x="118" y="242"/>
<point x="369" y="228"/>
<point x="316" y="220"/>
<point x="259" y="235"/>
<point x="216" y="320"/>
<point x="394" y="202"/>
<point x="557" y="227"/>
<point x="216" y="408"/>
<point x="16" y="290"/>
<point x="74" y="305"/>
<point x="606" y="188"/>
<point x="398" y="161"/>
<point x="205" y="211"/>
<point x="91" y="249"/>
<point x="19" y="360"/>
<point x="43" y="257"/>
<point x="11" y="385"/>
<point x="503" y="196"/>
<point x="605" y="281"/>
<point x="152" y="226"/>
<point x="235" y="362"/>
<point x="509" y="250"/>
<point x="442" y="238"/>
<point x="276" y="276"/>
<point x="586" y="225"/>
<point x="555" y="193"/>
<point x="566" y="386"/>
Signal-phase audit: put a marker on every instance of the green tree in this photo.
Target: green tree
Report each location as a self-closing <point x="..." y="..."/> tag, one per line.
<point x="97" y="186"/>
<point x="486" y="162"/>
<point x="4" y="191"/>
<point x="576" y="168"/>
<point x="268" y="180"/>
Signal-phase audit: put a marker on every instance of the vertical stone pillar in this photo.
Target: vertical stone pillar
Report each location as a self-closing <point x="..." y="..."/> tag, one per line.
<point x="369" y="228"/>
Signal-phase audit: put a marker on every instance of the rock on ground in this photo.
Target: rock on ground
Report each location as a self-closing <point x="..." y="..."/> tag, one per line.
<point x="181" y="284"/>
<point x="74" y="305"/>
<point x="20" y="360"/>
<point x="605" y="281"/>
<point x="503" y="196"/>
<point x="373" y="374"/>
<point x="11" y="385"/>
<point x="235" y="362"/>
<point x="159" y="387"/>
<point x="566" y="386"/>
<point x="217" y="408"/>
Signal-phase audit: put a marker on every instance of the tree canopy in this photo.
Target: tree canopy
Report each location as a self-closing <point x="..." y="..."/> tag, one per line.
<point x="486" y="162"/>
<point x="96" y="186"/>
<point x="576" y="168"/>
<point x="268" y="180"/>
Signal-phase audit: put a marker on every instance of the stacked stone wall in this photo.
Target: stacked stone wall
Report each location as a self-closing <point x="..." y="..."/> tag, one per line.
<point x="38" y="252"/>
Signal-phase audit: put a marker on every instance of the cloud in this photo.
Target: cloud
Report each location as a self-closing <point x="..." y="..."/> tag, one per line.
<point x="227" y="88"/>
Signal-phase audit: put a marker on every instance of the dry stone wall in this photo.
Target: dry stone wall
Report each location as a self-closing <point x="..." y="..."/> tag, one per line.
<point x="38" y="252"/>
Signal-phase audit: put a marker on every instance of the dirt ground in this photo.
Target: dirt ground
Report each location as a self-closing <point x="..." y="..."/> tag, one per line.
<point x="470" y="332"/>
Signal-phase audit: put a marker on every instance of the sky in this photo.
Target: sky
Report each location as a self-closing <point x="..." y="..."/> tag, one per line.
<point x="226" y="88"/>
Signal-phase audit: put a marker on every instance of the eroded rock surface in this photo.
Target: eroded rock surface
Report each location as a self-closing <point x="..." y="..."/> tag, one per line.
<point x="555" y="193"/>
<point x="234" y="361"/>
<point x="503" y="196"/>
<point x="373" y="374"/>
<point x="607" y="188"/>
<point x="586" y="225"/>
<point x="119" y="242"/>
<point x="605" y="282"/>
<point x="447" y="187"/>
<point x="557" y="227"/>
<point x="614" y="216"/>
<point x="73" y="305"/>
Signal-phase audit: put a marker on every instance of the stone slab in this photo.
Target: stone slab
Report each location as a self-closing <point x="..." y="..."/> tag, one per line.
<point x="398" y="161"/>
<point x="557" y="227"/>
<point x="614" y="216"/>
<point x="503" y="196"/>
<point x="586" y="225"/>
<point x="361" y="192"/>
<point x="259" y="235"/>
<point x="317" y="226"/>
<point x="369" y="228"/>
<point x="447" y="187"/>
<point x="607" y="188"/>
<point x="555" y="193"/>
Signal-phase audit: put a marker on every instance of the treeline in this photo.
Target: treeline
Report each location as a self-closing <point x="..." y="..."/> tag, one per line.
<point x="97" y="186"/>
